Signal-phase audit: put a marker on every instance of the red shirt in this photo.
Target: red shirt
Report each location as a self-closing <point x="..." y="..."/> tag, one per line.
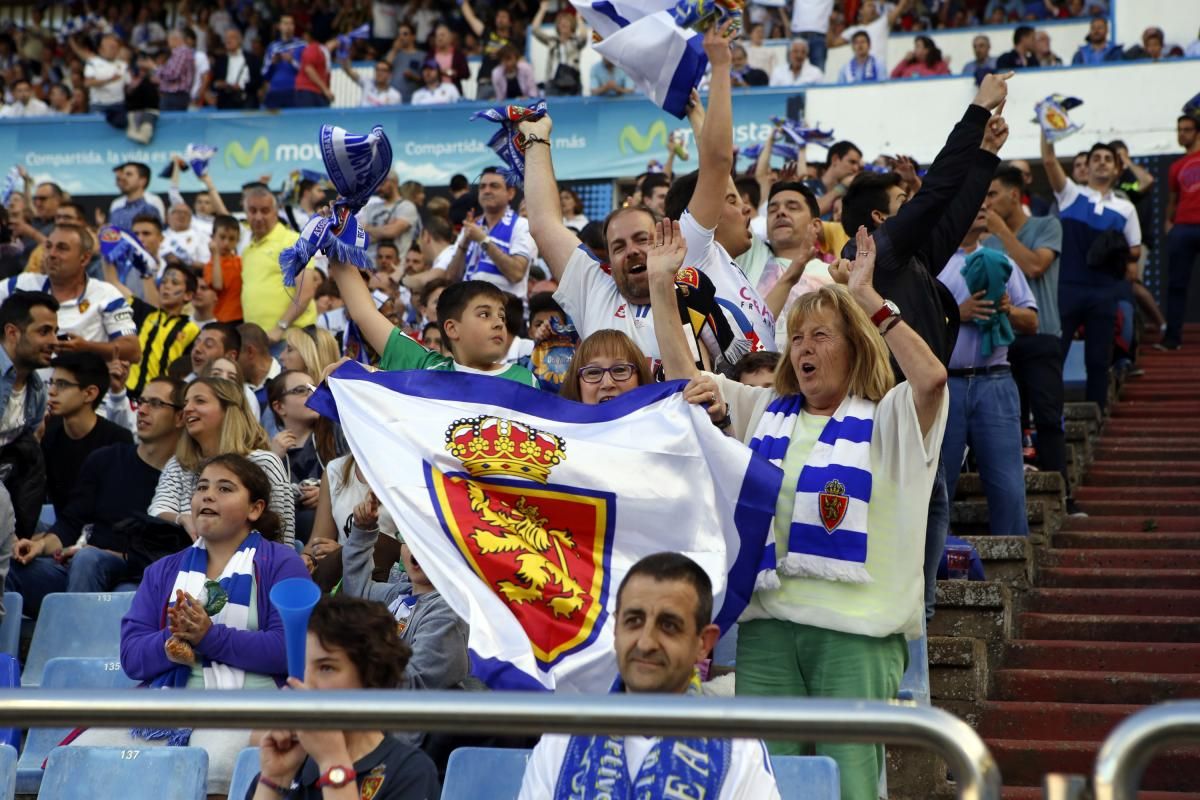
<point x="1184" y="181"/>
<point x="314" y="56"/>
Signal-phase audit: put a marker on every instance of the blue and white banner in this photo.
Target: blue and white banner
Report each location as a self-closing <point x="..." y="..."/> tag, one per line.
<point x="643" y="38"/>
<point x="526" y="510"/>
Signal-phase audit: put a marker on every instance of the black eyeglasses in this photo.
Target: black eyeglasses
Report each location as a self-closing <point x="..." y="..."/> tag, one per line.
<point x="304" y="390"/>
<point x="619" y="372"/>
<point x="159" y="405"/>
<point x="59" y="384"/>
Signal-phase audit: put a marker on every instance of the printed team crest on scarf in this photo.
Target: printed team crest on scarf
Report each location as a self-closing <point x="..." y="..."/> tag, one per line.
<point x="1052" y="116"/>
<point x="125" y="252"/>
<point x="834" y="503"/>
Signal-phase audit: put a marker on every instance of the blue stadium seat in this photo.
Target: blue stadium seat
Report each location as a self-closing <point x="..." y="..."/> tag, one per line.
<point x="8" y="772"/>
<point x="244" y="771"/>
<point x="151" y="773"/>
<point x="64" y="673"/>
<point x="807" y="777"/>
<point x="494" y="773"/>
<point x="10" y="678"/>
<point x="484" y="773"/>
<point x="10" y="628"/>
<point x="80" y="625"/>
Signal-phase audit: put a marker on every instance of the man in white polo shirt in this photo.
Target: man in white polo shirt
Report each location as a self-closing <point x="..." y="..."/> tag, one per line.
<point x="93" y="315"/>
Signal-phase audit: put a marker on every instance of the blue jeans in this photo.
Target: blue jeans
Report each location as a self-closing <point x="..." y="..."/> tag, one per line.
<point x="937" y="527"/>
<point x="91" y="570"/>
<point x="817" y="49"/>
<point x="1095" y="308"/>
<point x="1183" y="246"/>
<point x="985" y="413"/>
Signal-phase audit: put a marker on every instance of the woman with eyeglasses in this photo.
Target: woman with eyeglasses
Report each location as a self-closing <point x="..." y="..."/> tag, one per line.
<point x="216" y="420"/>
<point x="297" y="443"/>
<point x="608" y="364"/>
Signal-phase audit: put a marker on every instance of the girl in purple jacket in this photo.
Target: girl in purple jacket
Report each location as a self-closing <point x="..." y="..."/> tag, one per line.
<point x="202" y="618"/>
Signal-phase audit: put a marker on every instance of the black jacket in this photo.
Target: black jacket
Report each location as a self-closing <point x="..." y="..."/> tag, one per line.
<point x="253" y="68"/>
<point x="913" y="246"/>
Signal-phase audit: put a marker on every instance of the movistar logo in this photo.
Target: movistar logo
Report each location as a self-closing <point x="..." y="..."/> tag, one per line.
<point x="235" y="154"/>
<point x="630" y="138"/>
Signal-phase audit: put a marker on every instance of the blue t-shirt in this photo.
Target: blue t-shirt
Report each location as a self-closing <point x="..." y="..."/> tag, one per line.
<point x="1085" y="215"/>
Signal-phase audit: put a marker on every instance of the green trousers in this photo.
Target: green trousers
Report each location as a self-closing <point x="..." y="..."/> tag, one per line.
<point x="784" y="659"/>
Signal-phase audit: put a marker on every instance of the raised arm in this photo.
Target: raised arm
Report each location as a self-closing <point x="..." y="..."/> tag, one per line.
<point x="214" y="195"/>
<point x="663" y="262"/>
<point x="921" y="368"/>
<point x="762" y="167"/>
<point x="375" y="327"/>
<point x="345" y="64"/>
<point x="716" y="137"/>
<point x="473" y="20"/>
<point x="1054" y="170"/>
<point x="556" y="243"/>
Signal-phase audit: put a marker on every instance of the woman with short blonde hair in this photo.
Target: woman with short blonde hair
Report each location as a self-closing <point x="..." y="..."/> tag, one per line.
<point x="841" y="577"/>
<point x="309" y="350"/>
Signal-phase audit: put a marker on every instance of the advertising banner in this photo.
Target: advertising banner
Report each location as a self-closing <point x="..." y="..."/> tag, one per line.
<point x="593" y="138"/>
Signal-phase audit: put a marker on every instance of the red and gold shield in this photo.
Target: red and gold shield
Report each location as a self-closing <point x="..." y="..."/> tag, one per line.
<point x="833" y="504"/>
<point x="542" y="549"/>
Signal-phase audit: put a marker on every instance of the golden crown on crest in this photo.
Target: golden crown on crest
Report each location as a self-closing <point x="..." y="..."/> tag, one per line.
<point x="493" y="446"/>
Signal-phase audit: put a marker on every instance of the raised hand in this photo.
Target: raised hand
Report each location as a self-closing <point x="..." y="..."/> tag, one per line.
<point x="716" y="44"/>
<point x="992" y="90"/>
<point x="862" y="269"/>
<point x="540" y="128"/>
<point x="667" y="251"/>
<point x="366" y="513"/>
<point x="995" y="133"/>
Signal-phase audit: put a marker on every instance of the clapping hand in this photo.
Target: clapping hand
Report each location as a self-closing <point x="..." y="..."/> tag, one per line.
<point x="472" y="230"/>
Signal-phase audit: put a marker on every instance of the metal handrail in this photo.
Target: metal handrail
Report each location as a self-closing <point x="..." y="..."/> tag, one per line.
<point x="974" y="769"/>
<point x="1130" y="747"/>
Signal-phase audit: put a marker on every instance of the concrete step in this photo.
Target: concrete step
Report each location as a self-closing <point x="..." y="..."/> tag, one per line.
<point x="1131" y="522"/>
<point x="1121" y="559"/>
<point x="1103" y="656"/>
<point x="1081" y="722"/>
<point x="1024" y="762"/>
<point x="1120" y="540"/>
<point x="1147" y="494"/>
<point x="1132" y="602"/>
<point x="1100" y="578"/>
<point x="1107" y="627"/>
<point x="1150" y="508"/>
<point x="1084" y="686"/>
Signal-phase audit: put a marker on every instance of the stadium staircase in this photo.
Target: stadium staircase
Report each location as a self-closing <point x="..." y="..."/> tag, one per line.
<point x="1091" y="618"/>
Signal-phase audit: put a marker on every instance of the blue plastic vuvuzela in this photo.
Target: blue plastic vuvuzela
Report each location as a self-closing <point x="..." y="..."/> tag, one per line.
<point x="294" y="599"/>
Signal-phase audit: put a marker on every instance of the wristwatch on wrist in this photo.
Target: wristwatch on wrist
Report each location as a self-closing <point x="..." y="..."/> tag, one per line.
<point x="885" y="312"/>
<point x="336" y="777"/>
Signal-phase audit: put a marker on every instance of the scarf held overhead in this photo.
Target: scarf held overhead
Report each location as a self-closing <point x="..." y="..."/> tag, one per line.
<point x="827" y="535"/>
<point x="509" y="142"/>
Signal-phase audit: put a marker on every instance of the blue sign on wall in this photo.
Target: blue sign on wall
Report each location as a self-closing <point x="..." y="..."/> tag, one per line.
<point x="593" y="138"/>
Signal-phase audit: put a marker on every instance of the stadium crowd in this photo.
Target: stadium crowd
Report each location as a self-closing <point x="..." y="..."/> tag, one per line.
<point x="152" y="412"/>
<point x="129" y="62"/>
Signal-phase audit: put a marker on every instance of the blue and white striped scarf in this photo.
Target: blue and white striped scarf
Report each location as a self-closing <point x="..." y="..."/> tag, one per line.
<point x="827" y="537"/>
<point x="126" y="252"/>
<point x="500" y="235"/>
<point x="237" y="579"/>
<point x="508" y="140"/>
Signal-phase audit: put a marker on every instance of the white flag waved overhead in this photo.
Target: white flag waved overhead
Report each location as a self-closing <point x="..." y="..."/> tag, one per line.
<point x="642" y="38"/>
<point x="526" y="510"/>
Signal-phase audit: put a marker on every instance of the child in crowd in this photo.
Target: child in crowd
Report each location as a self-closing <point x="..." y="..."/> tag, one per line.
<point x="224" y="271"/>
<point x="167" y="332"/>
<point x="471" y="317"/>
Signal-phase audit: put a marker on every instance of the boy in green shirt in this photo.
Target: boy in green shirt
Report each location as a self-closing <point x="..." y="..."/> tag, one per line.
<point x="471" y="318"/>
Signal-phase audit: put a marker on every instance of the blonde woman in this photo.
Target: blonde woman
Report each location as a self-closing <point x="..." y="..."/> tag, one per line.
<point x="309" y="350"/>
<point x="216" y="421"/>
<point x="841" y="580"/>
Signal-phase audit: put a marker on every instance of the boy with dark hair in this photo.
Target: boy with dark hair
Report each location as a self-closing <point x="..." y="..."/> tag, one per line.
<point x="352" y="644"/>
<point x="166" y="333"/>
<point x="224" y="271"/>
<point x="77" y="387"/>
<point x="471" y="315"/>
<point x="756" y="369"/>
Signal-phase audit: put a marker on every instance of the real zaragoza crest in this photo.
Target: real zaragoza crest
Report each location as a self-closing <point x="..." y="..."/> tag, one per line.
<point x="542" y="548"/>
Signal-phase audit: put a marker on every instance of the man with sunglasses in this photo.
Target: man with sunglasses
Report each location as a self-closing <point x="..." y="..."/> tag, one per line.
<point x="114" y="483"/>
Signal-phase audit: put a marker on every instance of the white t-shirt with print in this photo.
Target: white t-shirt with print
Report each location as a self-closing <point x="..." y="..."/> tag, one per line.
<point x="746" y="311"/>
<point x="100" y="314"/>
<point x="111" y="93"/>
<point x="442" y="93"/>
<point x="749" y="776"/>
<point x="589" y="296"/>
